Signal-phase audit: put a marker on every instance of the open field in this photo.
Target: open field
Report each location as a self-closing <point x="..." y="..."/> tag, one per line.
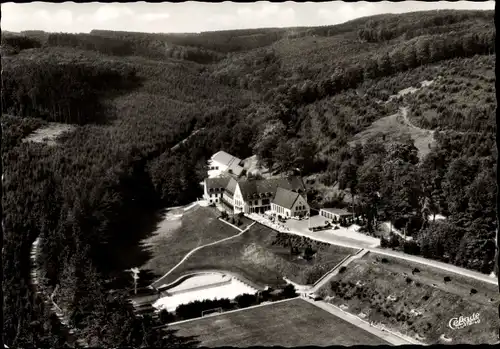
<point x="258" y="256"/>
<point x="289" y="323"/>
<point x="367" y="284"/>
<point x="180" y="232"/>
<point x="49" y="133"/>
<point x="393" y="127"/>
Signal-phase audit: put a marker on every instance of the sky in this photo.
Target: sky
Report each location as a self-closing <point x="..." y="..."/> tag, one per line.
<point x="194" y="16"/>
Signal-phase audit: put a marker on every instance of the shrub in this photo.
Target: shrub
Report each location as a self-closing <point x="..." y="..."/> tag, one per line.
<point x="289" y="291"/>
<point x="342" y="269"/>
<point x="415" y="271"/>
<point x="426" y="297"/>
<point x="166" y="317"/>
<point x="447" y="279"/>
<point x="384" y="260"/>
<point x="473" y="291"/>
<point x="409" y="280"/>
<point x="246" y="300"/>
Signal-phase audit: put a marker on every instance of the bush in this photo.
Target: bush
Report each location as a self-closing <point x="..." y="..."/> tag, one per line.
<point x="166" y="317"/>
<point x="289" y="291"/>
<point x="409" y="280"/>
<point x="342" y="269"/>
<point x="194" y="309"/>
<point x="384" y="260"/>
<point x="473" y="291"/>
<point x="415" y="271"/>
<point x="447" y="279"/>
<point x="246" y="300"/>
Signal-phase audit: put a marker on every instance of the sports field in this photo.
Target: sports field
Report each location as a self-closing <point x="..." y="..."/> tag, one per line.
<point x="290" y="323"/>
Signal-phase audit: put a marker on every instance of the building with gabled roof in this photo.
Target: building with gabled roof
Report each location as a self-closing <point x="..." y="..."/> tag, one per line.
<point x="249" y="196"/>
<point x="224" y="163"/>
<point x="214" y="188"/>
<point x="289" y="203"/>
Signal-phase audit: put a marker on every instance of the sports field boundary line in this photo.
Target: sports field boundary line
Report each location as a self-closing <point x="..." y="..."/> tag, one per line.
<point x="199" y="248"/>
<point x="232" y="311"/>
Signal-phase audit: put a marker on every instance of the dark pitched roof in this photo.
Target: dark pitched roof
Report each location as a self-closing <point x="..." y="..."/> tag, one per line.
<point x="231" y="186"/>
<point x="338" y="211"/>
<point x="217" y="182"/>
<point x="251" y="189"/>
<point x="285" y="198"/>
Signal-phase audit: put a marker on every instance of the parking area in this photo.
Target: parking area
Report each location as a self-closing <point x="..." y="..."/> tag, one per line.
<point x="340" y="235"/>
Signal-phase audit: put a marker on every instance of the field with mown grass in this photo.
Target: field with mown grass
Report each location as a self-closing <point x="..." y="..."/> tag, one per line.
<point x="176" y="236"/>
<point x="289" y="323"/>
<point x="368" y="283"/>
<point x="263" y="256"/>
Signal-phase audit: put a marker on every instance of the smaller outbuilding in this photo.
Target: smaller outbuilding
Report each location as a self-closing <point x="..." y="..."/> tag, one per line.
<point x="335" y="214"/>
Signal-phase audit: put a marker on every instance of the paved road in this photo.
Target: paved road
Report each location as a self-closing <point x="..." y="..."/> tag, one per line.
<point x="157" y="282"/>
<point x="326" y="278"/>
<point x="356" y="321"/>
<point x="324" y="236"/>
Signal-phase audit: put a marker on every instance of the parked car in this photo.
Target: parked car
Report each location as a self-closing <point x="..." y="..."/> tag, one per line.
<point x="314" y="297"/>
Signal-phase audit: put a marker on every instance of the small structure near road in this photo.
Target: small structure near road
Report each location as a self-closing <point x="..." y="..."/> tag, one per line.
<point x="335" y="214"/>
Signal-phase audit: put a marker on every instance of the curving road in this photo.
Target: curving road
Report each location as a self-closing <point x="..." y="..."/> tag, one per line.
<point x="199" y="248"/>
<point x="323" y="236"/>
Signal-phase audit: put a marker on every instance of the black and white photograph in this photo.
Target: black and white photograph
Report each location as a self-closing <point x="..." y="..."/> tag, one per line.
<point x="241" y="174"/>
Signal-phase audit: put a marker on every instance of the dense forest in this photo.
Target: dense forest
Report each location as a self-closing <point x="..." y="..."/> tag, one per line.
<point x="293" y="96"/>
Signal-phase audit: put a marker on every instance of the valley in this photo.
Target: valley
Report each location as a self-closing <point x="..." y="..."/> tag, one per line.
<point x="106" y="137"/>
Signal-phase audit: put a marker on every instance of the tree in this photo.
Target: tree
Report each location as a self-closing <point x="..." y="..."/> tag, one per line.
<point x="245" y="300"/>
<point x="289" y="291"/>
<point x="348" y="177"/>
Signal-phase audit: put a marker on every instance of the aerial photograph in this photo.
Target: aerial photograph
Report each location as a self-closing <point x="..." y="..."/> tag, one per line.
<point x="291" y="174"/>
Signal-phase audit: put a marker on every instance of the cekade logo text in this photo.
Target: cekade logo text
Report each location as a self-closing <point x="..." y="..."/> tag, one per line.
<point x="464" y="321"/>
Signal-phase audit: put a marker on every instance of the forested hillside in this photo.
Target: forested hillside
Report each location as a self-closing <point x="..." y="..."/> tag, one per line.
<point x="295" y="97"/>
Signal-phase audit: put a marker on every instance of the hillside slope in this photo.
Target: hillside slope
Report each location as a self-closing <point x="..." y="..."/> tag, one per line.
<point x="295" y="97"/>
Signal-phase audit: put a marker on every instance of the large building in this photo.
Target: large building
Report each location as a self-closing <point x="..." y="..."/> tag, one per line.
<point x="257" y="196"/>
<point x="222" y="163"/>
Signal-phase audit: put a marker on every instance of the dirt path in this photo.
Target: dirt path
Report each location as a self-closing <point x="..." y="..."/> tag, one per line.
<point x="403" y="112"/>
<point x="48" y="300"/>
<point x="157" y="282"/>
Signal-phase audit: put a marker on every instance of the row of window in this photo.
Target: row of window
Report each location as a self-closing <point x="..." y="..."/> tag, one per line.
<point x="214" y="167"/>
<point x="281" y="210"/>
<point x="215" y="189"/>
<point x="300" y="208"/>
<point x="256" y="202"/>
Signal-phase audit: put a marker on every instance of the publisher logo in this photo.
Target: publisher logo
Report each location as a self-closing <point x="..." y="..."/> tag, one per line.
<point x="464" y="321"/>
